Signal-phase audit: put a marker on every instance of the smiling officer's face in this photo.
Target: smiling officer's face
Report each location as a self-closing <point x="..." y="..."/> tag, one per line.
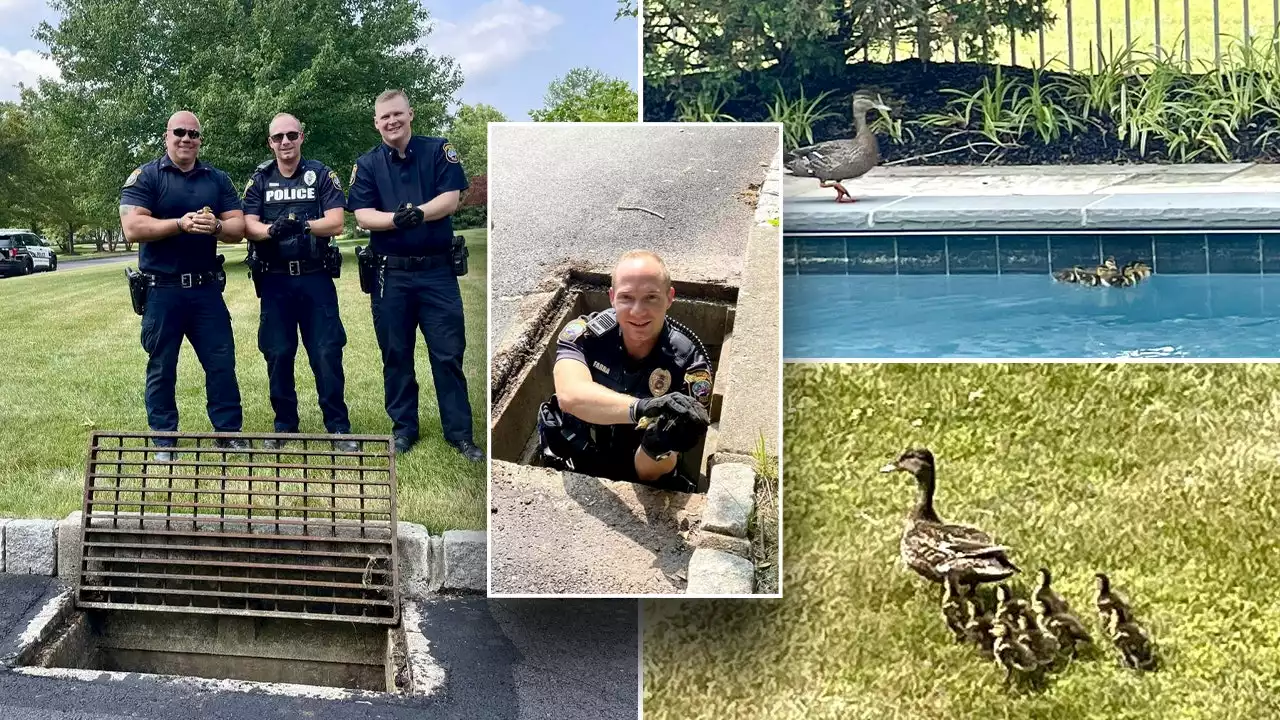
<point x="393" y="119"/>
<point x="285" y="150"/>
<point x="641" y="299"/>
<point x="185" y="149"/>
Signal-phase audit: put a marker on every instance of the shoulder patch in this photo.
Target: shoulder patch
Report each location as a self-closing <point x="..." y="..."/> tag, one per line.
<point x="133" y="177"/>
<point x="333" y="177"/>
<point x="352" y="181"/>
<point x="451" y="153"/>
<point x="573" y="330"/>
<point x="247" y="186"/>
<point x="699" y="382"/>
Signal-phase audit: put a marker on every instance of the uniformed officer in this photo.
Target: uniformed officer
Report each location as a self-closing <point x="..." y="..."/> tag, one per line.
<point x="633" y="386"/>
<point x="161" y="209"/>
<point x="292" y="207"/>
<point x="404" y="191"/>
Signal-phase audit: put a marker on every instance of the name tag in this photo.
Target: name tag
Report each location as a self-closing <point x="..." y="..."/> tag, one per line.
<point x="596" y="364"/>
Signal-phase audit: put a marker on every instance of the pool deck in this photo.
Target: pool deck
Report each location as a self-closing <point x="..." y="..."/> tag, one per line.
<point x="1040" y="197"/>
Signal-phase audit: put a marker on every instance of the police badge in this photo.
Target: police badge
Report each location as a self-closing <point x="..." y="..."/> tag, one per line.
<point x="659" y="382"/>
<point x="309" y="177"/>
<point x="450" y="153"/>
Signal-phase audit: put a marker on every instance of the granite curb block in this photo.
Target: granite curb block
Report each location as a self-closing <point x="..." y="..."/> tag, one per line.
<point x="3" y="522"/>
<point x="30" y="547"/>
<point x="714" y="572"/>
<point x="70" y="551"/>
<point x="1099" y="211"/>
<point x="730" y="499"/>
<point x="465" y="556"/>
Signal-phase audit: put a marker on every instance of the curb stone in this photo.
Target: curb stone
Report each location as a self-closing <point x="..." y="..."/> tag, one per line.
<point x="465" y="556"/>
<point x="730" y="499"/>
<point x="30" y="547"/>
<point x="712" y="572"/>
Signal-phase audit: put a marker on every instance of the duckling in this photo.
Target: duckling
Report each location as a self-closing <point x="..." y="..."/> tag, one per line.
<point x="1109" y="600"/>
<point x="954" y="612"/>
<point x="1136" y="648"/>
<point x="1071" y="275"/>
<point x="934" y="549"/>
<point x="1011" y="654"/>
<point x="1142" y="269"/>
<point x="1067" y="628"/>
<point x="977" y="628"/>
<point x="1089" y="278"/>
<point x="1008" y="607"/>
<point x="1042" y="642"/>
<point x="1047" y="594"/>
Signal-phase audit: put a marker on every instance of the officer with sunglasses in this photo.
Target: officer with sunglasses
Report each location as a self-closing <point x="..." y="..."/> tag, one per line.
<point x="293" y="206"/>
<point x="404" y="191"/>
<point x="162" y="209"/>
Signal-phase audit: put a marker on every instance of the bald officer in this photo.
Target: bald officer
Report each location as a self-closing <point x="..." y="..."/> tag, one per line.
<point x="404" y="191"/>
<point x="161" y="209"/>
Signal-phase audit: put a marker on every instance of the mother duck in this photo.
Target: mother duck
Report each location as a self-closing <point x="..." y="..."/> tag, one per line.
<point x="845" y="159"/>
<point x="935" y="549"/>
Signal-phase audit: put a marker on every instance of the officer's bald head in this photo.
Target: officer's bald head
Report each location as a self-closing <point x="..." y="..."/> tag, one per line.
<point x="182" y="150"/>
<point x="183" y="119"/>
<point x="283" y="122"/>
<point x="642" y="262"/>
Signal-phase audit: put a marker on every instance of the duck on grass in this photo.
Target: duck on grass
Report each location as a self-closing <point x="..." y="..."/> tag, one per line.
<point x="1030" y="638"/>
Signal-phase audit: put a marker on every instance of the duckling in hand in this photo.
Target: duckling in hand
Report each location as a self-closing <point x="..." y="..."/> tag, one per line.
<point x="1014" y="656"/>
<point x="934" y="549"/>
<point x="954" y="612"/>
<point x="1136" y="648"/>
<point x="1067" y="628"/>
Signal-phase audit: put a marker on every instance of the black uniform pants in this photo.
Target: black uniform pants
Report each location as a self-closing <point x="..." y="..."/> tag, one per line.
<point x="306" y="304"/>
<point x="431" y="301"/>
<point x="200" y="315"/>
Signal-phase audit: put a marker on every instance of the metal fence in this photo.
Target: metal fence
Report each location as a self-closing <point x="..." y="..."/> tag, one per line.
<point x="1086" y="34"/>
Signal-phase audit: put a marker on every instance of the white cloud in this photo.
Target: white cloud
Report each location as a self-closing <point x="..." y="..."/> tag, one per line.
<point x="496" y="35"/>
<point x="23" y="66"/>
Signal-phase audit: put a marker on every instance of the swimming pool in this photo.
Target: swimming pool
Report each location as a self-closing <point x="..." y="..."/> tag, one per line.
<point x="980" y="296"/>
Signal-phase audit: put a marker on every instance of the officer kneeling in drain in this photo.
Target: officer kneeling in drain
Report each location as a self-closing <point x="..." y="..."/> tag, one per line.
<point x="633" y="386"/>
<point x="292" y="207"/>
<point x="178" y="209"/>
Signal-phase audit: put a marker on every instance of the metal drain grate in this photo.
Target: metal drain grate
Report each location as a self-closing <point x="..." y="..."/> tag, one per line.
<point x="304" y="531"/>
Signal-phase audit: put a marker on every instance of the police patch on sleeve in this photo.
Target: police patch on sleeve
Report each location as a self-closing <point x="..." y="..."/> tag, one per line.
<point x="247" y="186"/>
<point x="451" y="153"/>
<point x="333" y="177"/>
<point x="573" y="330"/>
<point x="659" y="381"/>
<point x="699" y="382"/>
<point x="352" y="181"/>
<point x="133" y="177"/>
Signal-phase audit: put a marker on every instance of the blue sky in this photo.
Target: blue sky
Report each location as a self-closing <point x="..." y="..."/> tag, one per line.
<point x="509" y="50"/>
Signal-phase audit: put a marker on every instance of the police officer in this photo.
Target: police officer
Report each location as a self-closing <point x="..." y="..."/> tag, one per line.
<point x="633" y="386"/>
<point x="292" y="207"/>
<point x="404" y="191"/>
<point x="161" y="208"/>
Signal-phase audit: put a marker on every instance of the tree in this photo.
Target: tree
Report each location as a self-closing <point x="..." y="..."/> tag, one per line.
<point x="478" y="193"/>
<point x="469" y="133"/>
<point x="587" y="95"/>
<point x="235" y="63"/>
<point x="17" y="165"/>
<point x="626" y="8"/>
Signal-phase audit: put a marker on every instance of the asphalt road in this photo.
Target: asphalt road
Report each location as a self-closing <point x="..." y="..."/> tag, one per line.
<point x="554" y="193"/>
<point x="510" y="659"/>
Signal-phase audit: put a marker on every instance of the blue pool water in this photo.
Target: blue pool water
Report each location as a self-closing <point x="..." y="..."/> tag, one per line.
<point x="1029" y="316"/>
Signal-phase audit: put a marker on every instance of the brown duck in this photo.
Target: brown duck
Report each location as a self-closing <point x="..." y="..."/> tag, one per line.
<point x="845" y="159"/>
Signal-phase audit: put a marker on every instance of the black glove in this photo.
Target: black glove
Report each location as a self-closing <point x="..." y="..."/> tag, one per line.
<point x="408" y="217"/>
<point x="656" y="440"/>
<point x="685" y="432"/>
<point x="671" y="405"/>
<point x="286" y="227"/>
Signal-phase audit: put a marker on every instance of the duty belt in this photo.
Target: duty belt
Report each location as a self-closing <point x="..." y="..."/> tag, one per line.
<point x="293" y="267"/>
<point x="416" y="262"/>
<point x="183" y="280"/>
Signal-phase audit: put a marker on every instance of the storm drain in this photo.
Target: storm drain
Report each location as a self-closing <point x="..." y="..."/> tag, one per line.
<point x="523" y="375"/>
<point x="302" y="532"/>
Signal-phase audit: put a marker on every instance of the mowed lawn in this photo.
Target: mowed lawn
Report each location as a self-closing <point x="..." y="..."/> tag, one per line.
<point x="1165" y="476"/>
<point x="71" y="360"/>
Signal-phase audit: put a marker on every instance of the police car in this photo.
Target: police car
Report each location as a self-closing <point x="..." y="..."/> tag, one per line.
<point x="22" y="252"/>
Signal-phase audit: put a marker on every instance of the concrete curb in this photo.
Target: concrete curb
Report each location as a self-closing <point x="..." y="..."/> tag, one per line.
<point x="30" y="547"/>
<point x="722" y="564"/>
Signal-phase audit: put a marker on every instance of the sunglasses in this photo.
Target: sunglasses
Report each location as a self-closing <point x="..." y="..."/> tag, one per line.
<point x="183" y="132"/>
<point x="292" y="135"/>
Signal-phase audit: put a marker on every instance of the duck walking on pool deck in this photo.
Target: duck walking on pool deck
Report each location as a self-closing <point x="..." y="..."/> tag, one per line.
<point x="935" y="549"/>
<point x="838" y="160"/>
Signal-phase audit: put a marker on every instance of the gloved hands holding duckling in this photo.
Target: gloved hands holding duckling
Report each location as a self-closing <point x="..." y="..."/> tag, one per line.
<point x="671" y="422"/>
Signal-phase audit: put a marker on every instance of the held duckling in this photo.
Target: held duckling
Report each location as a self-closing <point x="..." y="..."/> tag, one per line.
<point x="1134" y="643"/>
<point x="934" y="549"/>
<point x="837" y="160"/>
<point x="1067" y="628"/>
<point x="1014" y="656"/>
<point x="954" y="611"/>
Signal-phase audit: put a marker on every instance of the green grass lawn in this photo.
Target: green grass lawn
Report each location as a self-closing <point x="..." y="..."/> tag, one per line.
<point x="72" y="361"/>
<point x="1166" y="476"/>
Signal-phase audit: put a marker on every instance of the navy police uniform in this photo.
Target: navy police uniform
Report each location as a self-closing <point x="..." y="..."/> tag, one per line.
<point x="678" y="362"/>
<point x="184" y="299"/>
<point x="297" y="291"/>
<point x="419" y="290"/>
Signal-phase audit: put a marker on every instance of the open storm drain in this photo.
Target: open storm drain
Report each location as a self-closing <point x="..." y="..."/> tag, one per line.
<point x="262" y="564"/>
<point x="523" y="372"/>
